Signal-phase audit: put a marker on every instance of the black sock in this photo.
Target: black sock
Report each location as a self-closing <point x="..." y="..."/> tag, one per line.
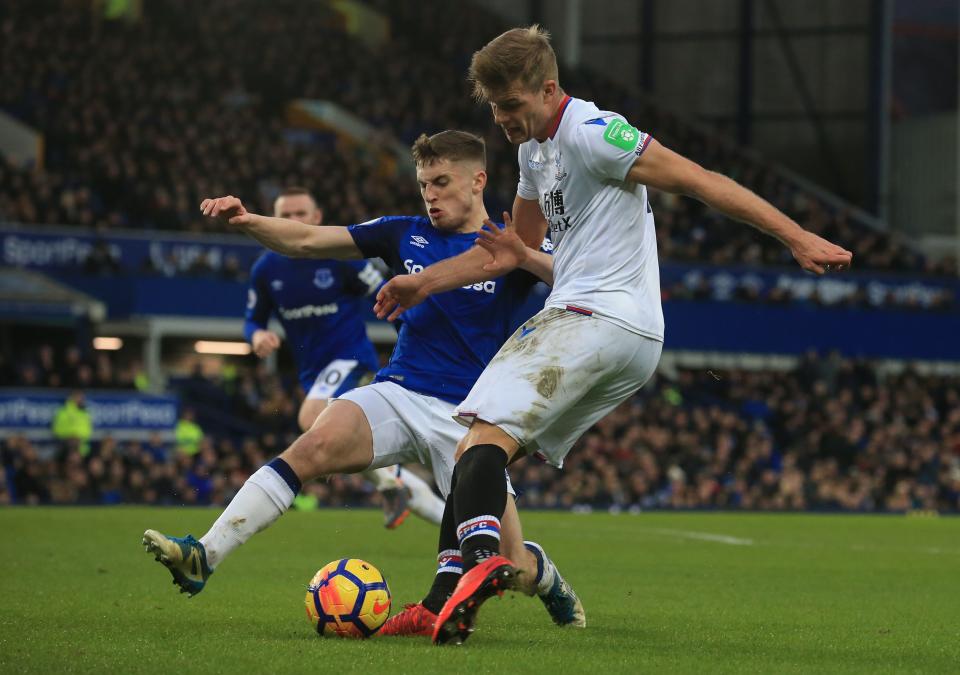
<point x="449" y="561"/>
<point x="479" y="499"/>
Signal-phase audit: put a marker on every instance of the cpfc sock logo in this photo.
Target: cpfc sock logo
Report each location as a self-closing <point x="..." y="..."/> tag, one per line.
<point x="487" y="525"/>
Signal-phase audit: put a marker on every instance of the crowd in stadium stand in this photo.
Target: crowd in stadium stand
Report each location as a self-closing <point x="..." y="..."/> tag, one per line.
<point x="143" y="120"/>
<point x="828" y="435"/>
<point x="69" y="368"/>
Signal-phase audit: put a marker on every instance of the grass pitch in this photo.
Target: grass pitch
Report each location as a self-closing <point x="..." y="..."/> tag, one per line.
<point x="663" y="593"/>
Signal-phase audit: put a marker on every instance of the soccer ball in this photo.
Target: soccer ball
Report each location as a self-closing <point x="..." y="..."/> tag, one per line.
<point x="348" y="598"/>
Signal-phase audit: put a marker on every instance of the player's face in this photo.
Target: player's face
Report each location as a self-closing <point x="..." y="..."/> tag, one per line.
<point x="451" y="192"/>
<point x="298" y="207"/>
<point x="521" y="113"/>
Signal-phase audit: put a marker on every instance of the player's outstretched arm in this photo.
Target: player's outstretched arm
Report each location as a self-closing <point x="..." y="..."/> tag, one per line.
<point x="288" y="237"/>
<point x="509" y="252"/>
<point x="666" y="170"/>
<point x="407" y="290"/>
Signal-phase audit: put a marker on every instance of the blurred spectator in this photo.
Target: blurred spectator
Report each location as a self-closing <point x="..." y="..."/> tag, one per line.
<point x="72" y="422"/>
<point x="188" y="433"/>
<point x="141" y="381"/>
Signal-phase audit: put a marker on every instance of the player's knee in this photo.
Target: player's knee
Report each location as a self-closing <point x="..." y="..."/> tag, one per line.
<point x="314" y="449"/>
<point x="462" y="447"/>
<point x="303" y="420"/>
<point x="481" y="459"/>
<point x="476" y="435"/>
<point x="309" y="412"/>
<point x="481" y="433"/>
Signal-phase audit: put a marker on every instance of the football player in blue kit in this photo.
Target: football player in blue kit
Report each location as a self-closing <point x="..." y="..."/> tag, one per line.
<point x="406" y="414"/>
<point x="320" y="304"/>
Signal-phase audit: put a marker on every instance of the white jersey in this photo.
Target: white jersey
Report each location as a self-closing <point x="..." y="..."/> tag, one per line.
<point x="605" y="247"/>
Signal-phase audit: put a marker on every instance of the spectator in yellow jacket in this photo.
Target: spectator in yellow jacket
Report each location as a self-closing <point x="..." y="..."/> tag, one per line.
<point x="72" y="421"/>
<point x="188" y="433"/>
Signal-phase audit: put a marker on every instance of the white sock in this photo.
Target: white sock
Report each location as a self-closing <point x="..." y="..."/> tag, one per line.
<point x="384" y="478"/>
<point x="262" y="499"/>
<point x="546" y="570"/>
<point x="423" y="501"/>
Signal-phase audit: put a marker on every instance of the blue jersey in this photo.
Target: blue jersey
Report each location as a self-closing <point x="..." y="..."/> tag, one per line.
<point x="320" y="304"/>
<point x="446" y="341"/>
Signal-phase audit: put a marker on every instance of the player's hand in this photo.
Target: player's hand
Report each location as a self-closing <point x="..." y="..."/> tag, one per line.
<point x="398" y="295"/>
<point x="816" y="254"/>
<point x="227" y="209"/>
<point x="506" y="248"/>
<point x="264" y="342"/>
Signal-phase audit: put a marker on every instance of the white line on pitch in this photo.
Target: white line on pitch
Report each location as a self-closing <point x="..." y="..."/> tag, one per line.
<point x="704" y="536"/>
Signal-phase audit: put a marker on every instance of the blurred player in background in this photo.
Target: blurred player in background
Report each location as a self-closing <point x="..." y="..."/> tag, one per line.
<point x="584" y="174"/>
<point x="407" y="413"/>
<point x="320" y="304"/>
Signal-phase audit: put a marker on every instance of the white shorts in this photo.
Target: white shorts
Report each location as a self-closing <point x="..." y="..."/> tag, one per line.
<point x="410" y="427"/>
<point x="560" y="373"/>
<point x="338" y="376"/>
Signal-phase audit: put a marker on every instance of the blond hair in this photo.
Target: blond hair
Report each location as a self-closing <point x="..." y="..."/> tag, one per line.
<point x="521" y="55"/>
<point x="452" y="145"/>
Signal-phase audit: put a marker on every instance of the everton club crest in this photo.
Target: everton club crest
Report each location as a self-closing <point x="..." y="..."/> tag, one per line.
<point x="323" y="278"/>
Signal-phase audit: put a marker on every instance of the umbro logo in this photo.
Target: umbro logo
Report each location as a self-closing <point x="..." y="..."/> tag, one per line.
<point x="276" y="284"/>
<point x="418" y="241"/>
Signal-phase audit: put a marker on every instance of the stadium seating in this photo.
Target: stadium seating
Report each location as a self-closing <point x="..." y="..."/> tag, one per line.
<point x="126" y="147"/>
<point x="142" y="120"/>
<point x="829" y="435"/>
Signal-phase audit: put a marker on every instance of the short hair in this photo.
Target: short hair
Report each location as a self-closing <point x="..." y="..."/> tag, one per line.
<point x="520" y="54"/>
<point x="455" y="146"/>
<point x="294" y="191"/>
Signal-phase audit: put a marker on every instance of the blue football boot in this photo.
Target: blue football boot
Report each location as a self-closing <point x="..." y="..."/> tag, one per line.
<point x="184" y="557"/>
<point x="560" y="599"/>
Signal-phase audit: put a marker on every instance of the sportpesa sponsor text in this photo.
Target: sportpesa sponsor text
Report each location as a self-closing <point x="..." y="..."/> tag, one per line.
<point x="484" y="286"/>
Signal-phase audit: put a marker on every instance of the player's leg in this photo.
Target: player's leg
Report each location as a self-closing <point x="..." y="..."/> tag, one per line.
<point x="480" y="495"/>
<point x="404" y="492"/>
<point x="336" y="378"/>
<point x="399" y="495"/>
<point x="420" y="618"/>
<point x="433" y="436"/>
<point x="526" y="389"/>
<point x="424" y="502"/>
<point x="394" y="497"/>
<point x="542" y="370"/>
<point x="309" y="411"/>
<point x="480" y="498"/>
<point x="509" y="387"/>
<point x="512" y="546"/>
<point x="340" y="441"/>
<point x="537" y="573"/>
<point x="528" y="569"/>
<point x="385" y="479"/>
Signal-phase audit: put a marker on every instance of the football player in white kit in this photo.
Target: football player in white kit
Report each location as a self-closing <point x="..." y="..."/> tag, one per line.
<point x="584" y="174"/>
